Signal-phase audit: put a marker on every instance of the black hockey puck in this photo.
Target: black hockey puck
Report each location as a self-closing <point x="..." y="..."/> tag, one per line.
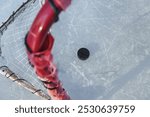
<point x="83" y="53"/>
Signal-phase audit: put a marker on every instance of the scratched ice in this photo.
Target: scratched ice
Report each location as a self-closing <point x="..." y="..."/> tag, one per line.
<point x="115" y="31"/>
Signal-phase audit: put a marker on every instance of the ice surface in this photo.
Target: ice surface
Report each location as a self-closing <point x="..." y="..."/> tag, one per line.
<point x="115" y="31"/>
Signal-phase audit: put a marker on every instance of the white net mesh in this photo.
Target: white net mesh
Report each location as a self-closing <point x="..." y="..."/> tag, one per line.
<point x="14" y="54"/>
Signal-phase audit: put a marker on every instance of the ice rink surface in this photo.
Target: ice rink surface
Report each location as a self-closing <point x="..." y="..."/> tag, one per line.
<point x="117" y="34"/>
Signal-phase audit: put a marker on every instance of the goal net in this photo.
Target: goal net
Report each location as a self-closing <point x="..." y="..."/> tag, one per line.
<point x="13" y="51"/>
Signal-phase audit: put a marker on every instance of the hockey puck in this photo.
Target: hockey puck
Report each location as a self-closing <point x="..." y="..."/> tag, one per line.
<point x="83" y="53"/>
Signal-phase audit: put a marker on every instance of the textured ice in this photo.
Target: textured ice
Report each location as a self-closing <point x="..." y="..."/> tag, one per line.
<point x="115" y="31"/>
